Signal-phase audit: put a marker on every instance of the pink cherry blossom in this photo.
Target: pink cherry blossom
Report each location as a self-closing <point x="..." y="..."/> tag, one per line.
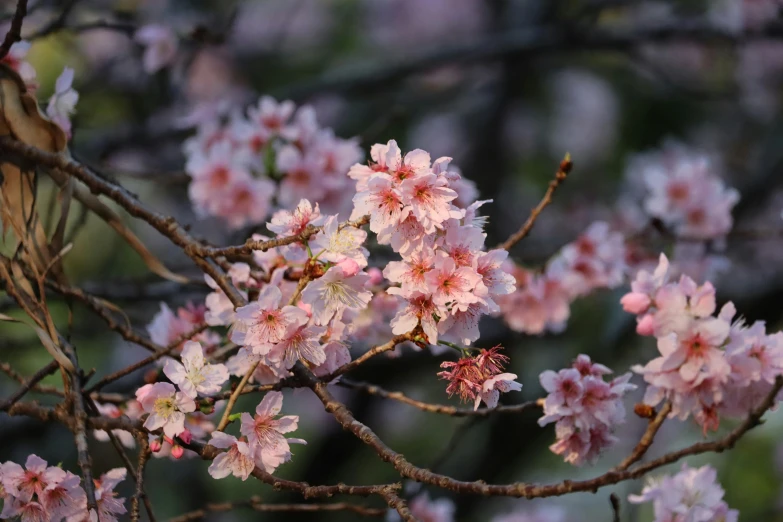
<point x="166" y="407"/>
<point x="457" y="287"/>
<point x="334" y="292"/>
<point x="237" y="461"/>
<point x="63" y="498"/>
<point x="411" y="272"/>
<point x="692" y="494"/>
<point x="62" y="104"/>
<point x="16" y="60"/>
<point x="264" y="432"/>
<point x="382" y="201"/>
<point x="193" y="375"/>
<point x="299" y="342"/>
<point x="419" y="309"/>
<point x="167" y="327"/>
<point x="429" y="199"/>
<point x="262" y="323"/>
<point x="494" y="386"/>
<point x="335" y="244"/>
<point x="285" y="223"/>
<point x="585" y="409"/>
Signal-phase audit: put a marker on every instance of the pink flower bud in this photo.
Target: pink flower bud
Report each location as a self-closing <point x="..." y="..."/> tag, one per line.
<point x="645" y="325"/>
<point x="155" y="446"/>
<point x="185" y="436"/>
<point x="376" y="276"/>
<point x="151" y="376"/>
<point x="635" y="302"/>
<point x="177" y="451"/>
<point x="349" y="267"/>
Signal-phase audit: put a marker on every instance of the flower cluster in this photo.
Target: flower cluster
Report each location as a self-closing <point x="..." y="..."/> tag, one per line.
<point x="262" y="443"/>
<point x="479" y="378"/>
<point x="446" y="281"/>
<point x="692" y="494"/>
<point x="584" y="407"/>
<point x="541" y="302"/>
<point x="167" y="327"/>
<point x="166" y="405"/>
<point x="708" y="366"/>
<point x="42" y="492"/>
<point x="683" y="191"/>
<point x="275" y="151"/>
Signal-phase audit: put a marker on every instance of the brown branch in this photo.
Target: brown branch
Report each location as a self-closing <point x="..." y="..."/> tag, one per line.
<point x="256" y="504"/>
<point x="519" y="489"/>
<point x="369" y="354"/>
<point x="29" y="384"/>
<point x="560" y="176"/>
<point x="397" y="503"/>
<point x="437" y="408"/>
<point x="14" y="33"/>
<point x="366" y="77"/>
<point x="647" y="438"/>
<point x="99" y="185"/>
<point x="234" y="396"/>
<point x="59" y="414"/>
<point x="408" y="470"/>
<point x="144" y="445"/>
<point x="252" y="245"/>
<point x="161" y="352"/>
<point x="144" y="455"/>
<point x="56" y="23"/>
<point x="615" y="502"/>
<point x="79" y="426"/>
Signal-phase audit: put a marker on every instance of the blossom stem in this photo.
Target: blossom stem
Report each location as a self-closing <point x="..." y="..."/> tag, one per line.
<point x="234" y="396"/>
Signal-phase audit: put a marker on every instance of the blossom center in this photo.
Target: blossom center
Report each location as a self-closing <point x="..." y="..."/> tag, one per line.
<point x="164" y="406"/>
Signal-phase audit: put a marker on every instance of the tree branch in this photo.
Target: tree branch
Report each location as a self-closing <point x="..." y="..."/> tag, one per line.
<point x="14" y="33"/>
<point x="560" y="176"/>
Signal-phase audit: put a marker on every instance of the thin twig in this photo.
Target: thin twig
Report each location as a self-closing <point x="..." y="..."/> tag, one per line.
<point x="397" y="503"/>
<point x="519" y="489"/>
<point x="235" y="395"/>
<point x="256" y="504"/>
<point x="647" y="438"/>
<point x="164" y="351"/>
<point x="144" y="455"/>
<point x="29" y="384"/>
<point x="614" y="500"/>
<point x="560" y="176"/>
<point x="14" y="33"/>
<point x="437" y="408"/>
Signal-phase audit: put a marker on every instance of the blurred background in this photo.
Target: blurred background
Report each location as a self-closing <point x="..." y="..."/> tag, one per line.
<point x="505" y="87"/>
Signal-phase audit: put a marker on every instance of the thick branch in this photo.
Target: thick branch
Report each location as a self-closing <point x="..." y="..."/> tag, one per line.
<point x="519" y="489"/>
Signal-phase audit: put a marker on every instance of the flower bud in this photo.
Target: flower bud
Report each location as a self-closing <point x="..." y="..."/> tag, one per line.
<point x="645" y="325"/>
<point x="151" y="376"/>
<point x="635" y="302"/>
<point x="177" y="451"/>
<point x="185" y="436"/>
<point x="155" y="445"/>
